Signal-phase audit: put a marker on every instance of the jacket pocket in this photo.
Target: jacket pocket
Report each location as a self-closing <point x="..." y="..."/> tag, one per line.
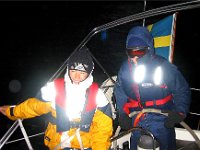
<point x="51" y="138"/>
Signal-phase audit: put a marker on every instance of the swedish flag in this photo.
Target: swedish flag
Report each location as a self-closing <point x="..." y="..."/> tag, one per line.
<point x="163" y="32"/>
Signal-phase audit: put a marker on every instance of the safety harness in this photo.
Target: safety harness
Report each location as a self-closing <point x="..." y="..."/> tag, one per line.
<point x="138" y="104"/>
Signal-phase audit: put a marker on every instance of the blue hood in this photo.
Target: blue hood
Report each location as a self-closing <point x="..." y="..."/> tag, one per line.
<point x="140" y="36"/>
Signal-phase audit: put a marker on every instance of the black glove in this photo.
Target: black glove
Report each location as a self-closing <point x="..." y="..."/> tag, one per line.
<point x="125" y="122"/>
<point x="173" y="118"/>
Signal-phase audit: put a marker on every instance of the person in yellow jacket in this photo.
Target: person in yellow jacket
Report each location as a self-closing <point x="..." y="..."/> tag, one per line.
<point x="81" y="114"/>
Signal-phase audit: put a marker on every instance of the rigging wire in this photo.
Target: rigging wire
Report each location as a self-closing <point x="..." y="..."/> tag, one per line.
<point x="195" y="89"/>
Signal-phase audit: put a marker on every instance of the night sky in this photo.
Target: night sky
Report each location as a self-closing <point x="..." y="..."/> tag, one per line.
<point x="37" y="37"/>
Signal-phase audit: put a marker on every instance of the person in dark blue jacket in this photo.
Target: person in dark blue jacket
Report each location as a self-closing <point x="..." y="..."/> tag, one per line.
<point x="148" y="83"/>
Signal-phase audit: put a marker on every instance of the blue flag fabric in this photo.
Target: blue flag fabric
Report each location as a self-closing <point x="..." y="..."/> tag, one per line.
<point x="163" y="32"/>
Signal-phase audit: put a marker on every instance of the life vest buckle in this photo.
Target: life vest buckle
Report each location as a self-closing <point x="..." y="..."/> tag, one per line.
<point x="75" y="124"/>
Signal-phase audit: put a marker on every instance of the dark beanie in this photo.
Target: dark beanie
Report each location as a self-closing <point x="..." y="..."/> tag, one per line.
<point x="81" y="60"/>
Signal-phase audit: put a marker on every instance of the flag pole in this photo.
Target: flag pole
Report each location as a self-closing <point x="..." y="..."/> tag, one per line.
<point x="144" y="11"/>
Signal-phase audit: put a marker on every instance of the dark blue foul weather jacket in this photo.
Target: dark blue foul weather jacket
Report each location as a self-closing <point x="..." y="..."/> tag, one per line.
<point x="173" y="84"/>
<point x="173" y="93"/>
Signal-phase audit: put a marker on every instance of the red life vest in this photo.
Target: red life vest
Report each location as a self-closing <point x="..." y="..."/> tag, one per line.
<point x="138" y="103"/>
<point x="63" y="123"/>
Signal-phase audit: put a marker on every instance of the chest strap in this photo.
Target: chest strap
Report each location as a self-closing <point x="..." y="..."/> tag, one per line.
<point x="139" y="104"/>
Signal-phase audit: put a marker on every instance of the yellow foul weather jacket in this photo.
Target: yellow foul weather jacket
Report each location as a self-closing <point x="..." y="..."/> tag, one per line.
<point x="98" y="137"/>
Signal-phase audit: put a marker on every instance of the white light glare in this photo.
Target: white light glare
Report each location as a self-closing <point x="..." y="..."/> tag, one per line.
<point x="158" y="76"/>
<point x="139" y="73"/>
<point x="49" y="93"/>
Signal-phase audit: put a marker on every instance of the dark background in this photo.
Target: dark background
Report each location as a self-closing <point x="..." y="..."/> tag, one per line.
<point x="37" y="37"/>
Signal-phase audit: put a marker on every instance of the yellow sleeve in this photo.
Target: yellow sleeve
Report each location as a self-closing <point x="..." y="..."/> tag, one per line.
<point x="30" y="108"/>
<point x="101" y="131"/>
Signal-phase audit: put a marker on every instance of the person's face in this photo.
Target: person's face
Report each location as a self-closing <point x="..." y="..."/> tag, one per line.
<point x="77" y="76"/>
<point x="137" y="52"/>
<point x="135" y="59"/>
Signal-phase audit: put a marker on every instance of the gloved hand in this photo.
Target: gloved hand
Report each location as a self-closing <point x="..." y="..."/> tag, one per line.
<point x="125" y="122"/>
<point x="173" y="118"/>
